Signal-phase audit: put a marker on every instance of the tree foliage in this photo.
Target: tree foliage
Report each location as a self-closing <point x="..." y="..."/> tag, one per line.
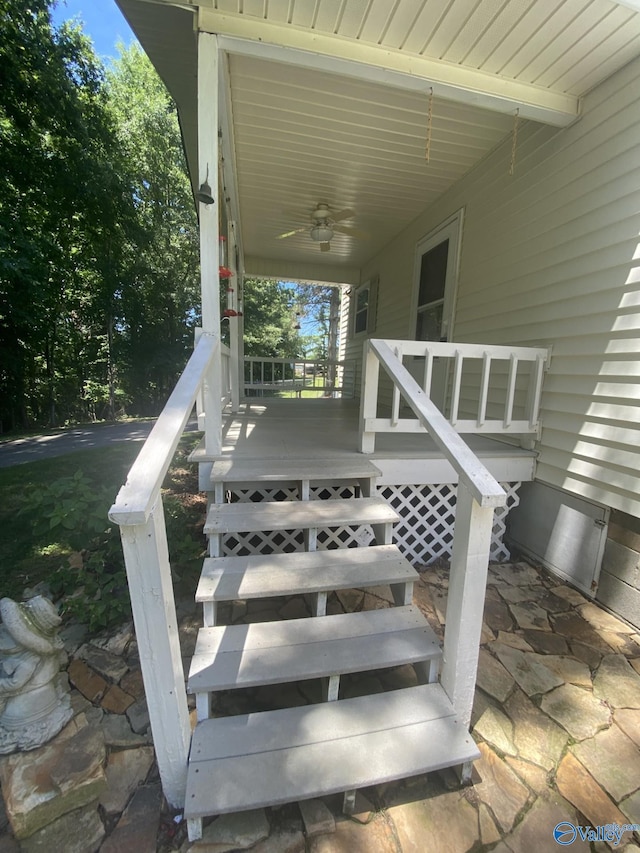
<point x="98" y="234"/>
<point x="99" y="267"/>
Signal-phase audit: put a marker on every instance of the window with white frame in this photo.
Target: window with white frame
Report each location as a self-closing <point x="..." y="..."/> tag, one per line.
<point x="364" y="307"/>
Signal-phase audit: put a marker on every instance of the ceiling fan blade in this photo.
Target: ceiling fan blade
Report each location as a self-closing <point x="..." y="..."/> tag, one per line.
<point x="347" y="213"/>
<point x="291" y="233"/>
<point x="325" y="247"/>
<point x="351" y="232"/>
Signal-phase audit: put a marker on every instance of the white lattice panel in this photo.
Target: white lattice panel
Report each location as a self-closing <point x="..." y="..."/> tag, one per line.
<point x="428" y="516"/>
<point x="424" y="533"/>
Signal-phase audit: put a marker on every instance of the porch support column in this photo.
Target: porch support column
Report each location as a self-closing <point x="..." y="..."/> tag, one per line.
<point x="235" y="323"/>
<point x="465" y="602"/>
<point x="208" y="65"/>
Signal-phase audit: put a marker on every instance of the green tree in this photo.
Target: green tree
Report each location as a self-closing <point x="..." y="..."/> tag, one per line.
<point x="58" y="178"/>
<point x="270" y="319"/>
<point x="161" y="296"/>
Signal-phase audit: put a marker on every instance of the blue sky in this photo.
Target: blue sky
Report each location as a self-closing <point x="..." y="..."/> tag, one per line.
<point x="101" y="20"/>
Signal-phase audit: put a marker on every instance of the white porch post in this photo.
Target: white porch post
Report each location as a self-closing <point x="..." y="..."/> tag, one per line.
<point x="368" y="398"/>
<point x="465" y="603"/>
<point x="209" y="215"/>
<point x="154" y="613"/>
<point x="235" y="323"/>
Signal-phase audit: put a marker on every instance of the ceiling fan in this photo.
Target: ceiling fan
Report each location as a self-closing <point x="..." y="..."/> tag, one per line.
<point x="324" y="226"/>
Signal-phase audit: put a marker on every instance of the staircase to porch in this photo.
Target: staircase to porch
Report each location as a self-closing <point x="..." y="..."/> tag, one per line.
<point x="273" y="757"/>
<point x="341" y="743"/>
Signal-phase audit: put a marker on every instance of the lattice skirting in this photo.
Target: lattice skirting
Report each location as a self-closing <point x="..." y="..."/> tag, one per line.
<point x="424" y="533"/>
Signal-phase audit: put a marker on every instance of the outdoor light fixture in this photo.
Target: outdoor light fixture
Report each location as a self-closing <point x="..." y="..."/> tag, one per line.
<point x="321" y="233"/>
<point x="204" y="193"/>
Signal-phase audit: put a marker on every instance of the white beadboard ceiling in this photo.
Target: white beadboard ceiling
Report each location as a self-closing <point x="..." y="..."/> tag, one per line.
<point x="303" y="135"/>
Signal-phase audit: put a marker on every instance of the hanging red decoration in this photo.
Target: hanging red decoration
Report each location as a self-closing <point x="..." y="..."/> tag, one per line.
<point x="230" y="312"/>
<point x="224" y="272"/>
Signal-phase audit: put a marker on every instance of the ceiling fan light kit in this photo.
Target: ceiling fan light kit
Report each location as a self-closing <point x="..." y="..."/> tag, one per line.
<point x="321" y="233"/>
<point x="323" y="226"/>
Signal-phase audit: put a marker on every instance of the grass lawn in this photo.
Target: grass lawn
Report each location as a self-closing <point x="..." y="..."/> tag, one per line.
<point x="32" y="550"/>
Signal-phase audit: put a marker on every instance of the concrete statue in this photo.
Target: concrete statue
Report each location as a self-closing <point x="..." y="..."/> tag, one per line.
<point x="33" y="705"/>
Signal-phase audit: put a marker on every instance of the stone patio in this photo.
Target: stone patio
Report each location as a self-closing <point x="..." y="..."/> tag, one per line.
<point x="556" y="718"/>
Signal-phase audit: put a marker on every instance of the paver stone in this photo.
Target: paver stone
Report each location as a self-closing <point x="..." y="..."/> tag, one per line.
<point x="89" y="683"/>
<point x="536" y="737"/>
<point x="530" y="617"/>
<point x="499" y="788"/>
<point x="603" y="621"/>
<point x="574" y="627"/>
<point x="110" y="666"/>
<point x="42" y="785"/>
<point x="628" y="719"/>
<point x="489" y="832"/>
<point x="532" y="676"/>
<point x="546" y="643"/>
<point x="578" y="786"/>
<point x="351" y="837"/>
<point x="492" y="677"/>
<point x="283" y="840"/>
<point x="630" y="807"/>
<point x="516" y="641"/>
<point x="569" y="594"/>
<point x="567" y="668"/>
<point x="535" y="831"/>
<point x="497" y="730"/>
<point x="446" y="823"/>
<point x="80" y="831"/>
<point x="137" y="829"/>
<point x="613" y="760"/>
<point x="125" y="771"/>
<point x="497" y="616"/>
<point x="617" y="683"/>
<point x="577" y="710"/>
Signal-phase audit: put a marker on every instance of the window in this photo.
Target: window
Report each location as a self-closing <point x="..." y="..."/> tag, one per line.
<point x="431" y="288"/>
<point x="364" y="308"/>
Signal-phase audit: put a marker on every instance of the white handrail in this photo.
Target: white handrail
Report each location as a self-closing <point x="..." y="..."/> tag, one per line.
<point x="137" y="497"/>
<point x="477" y="479"/>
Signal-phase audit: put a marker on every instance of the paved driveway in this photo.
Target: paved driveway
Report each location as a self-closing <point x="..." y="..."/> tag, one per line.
<point x="70" y="440"/>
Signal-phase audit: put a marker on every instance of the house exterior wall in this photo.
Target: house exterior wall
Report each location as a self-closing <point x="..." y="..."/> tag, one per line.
<point x="551" y="256"/>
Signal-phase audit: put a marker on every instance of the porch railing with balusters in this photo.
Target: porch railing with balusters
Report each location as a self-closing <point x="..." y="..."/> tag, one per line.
<point x="499" y="394"/>
<point x="299" y="375"/>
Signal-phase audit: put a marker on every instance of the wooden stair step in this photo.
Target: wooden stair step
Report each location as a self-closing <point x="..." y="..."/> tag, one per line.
<point x="227" y="657"/>
<point x="276" y="757"/>
<point x="291" y="470"/>
<point x="294" y="515"/>
<point x="267" y="575"/>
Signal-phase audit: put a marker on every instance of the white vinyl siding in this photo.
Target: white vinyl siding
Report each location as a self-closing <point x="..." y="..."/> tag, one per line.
<point x="551" y="256"/>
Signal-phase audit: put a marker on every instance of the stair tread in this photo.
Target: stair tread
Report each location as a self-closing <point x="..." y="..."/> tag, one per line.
<point x="278" y="470"/>
<point x="292" y="515"/>
<point x="264" y="575"/>
<point x="275" y="757"/>
<point x="233" y="656"/>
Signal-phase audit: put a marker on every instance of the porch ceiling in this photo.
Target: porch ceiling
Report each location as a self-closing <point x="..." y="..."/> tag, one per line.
<point x="306" y="130"/>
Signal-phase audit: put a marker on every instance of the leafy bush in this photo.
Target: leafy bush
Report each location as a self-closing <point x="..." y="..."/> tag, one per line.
<point x="93" y="584"/>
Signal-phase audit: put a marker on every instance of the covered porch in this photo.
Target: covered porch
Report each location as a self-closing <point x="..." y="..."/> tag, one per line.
<point x="308" y="131"/>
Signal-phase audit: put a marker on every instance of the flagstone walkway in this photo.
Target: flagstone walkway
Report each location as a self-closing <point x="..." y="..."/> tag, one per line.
<point x="556" y="718"/>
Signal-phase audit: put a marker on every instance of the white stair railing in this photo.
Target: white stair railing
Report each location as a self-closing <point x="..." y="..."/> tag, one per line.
<point x="477" y="495"/>
<point x="138" y="510"/>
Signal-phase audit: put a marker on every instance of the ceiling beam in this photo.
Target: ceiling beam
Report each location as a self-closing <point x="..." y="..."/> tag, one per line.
<point x="376" y="64"/>
<point x="305" y="271"/>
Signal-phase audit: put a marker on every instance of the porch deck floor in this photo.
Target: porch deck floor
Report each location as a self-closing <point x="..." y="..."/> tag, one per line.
<point x="323" y="428"/>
